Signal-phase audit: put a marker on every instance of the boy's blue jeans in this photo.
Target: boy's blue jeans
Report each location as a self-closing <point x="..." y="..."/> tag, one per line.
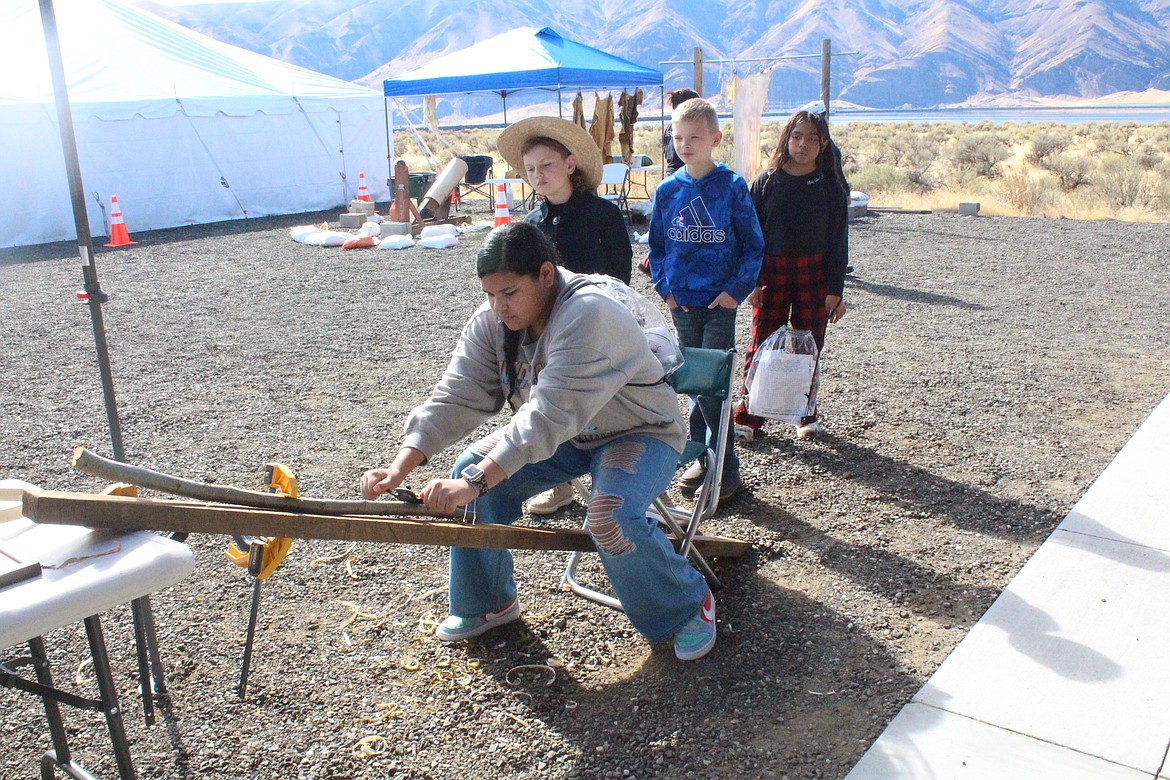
<point x="658" y="588"/>
<point x="708" y="329"/>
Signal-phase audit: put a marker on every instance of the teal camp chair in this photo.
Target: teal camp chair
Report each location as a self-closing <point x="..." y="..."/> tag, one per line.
<point x="703" y="372"/>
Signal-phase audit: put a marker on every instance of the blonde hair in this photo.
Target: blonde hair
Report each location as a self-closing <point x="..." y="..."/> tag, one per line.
<point x="697" y="110"/>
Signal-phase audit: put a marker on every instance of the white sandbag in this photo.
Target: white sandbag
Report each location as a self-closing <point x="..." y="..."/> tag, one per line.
<point x="371" y="229"/>
<point x="299" y="232"/>
<point x="438" y="242"/>
<point x="396" y="242"/>
<point x="327" y="238"/>
<point x="439" y="230"/>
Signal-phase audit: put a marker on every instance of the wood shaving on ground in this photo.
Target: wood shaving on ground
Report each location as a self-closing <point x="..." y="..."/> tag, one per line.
<point x="552" y="673"/>
<point x="372" y="745"/>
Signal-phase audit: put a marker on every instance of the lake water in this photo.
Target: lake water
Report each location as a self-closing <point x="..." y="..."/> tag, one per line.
<point x="1064" y="115"/>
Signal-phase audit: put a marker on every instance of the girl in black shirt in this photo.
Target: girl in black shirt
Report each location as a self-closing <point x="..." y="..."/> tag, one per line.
<point x="802" y="206"/>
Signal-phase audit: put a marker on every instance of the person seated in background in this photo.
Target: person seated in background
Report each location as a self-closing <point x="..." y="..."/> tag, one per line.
<point x="588" y="397"/>
<point x="562" y="163"/>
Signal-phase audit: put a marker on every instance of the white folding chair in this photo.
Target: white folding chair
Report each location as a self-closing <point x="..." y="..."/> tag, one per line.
<point x="615" y="185"/>
<point x="703" y="372"/>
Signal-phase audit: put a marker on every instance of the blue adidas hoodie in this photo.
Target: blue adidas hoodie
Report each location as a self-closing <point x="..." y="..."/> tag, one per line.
<point x="704" y="238"/>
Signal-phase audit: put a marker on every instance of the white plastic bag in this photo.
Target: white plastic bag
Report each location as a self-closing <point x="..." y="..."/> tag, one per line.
<point x="659" y="334"/>
<point x="782" y="381"/>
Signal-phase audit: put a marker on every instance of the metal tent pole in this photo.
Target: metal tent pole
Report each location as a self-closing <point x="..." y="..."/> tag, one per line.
<point x="93" y="294"/>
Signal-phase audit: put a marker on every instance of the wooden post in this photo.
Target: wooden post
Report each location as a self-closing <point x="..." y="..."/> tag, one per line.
<point x="199" y="517"/>
<point x="698" y="66"/>
<point x="826" y="66"/>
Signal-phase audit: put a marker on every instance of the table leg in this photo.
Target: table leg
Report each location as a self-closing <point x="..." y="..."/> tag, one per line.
<point x="109" y="697"/>
<point x="138" y="610"/>
<point x="36" y="649"/>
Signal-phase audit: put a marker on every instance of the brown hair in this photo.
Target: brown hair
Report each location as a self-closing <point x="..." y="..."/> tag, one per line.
<point x="680" y="96"/>
<point x="576" y="178"/>
<point x="697" y="110"/>
<point x="780" y="157"/>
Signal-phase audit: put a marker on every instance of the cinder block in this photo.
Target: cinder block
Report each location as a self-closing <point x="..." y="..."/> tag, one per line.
<point x="352" y="220"/>
<point x="857" y="211"/>
<point x="361" y="207"/>
<point x="969" y="209"/>
<point x="395" y="229"/>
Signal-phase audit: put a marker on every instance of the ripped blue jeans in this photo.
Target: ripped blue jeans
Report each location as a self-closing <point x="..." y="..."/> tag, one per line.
<point x="658" y="587"/>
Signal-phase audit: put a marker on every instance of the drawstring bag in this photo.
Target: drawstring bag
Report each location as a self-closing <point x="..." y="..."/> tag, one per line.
<point x="782" y="381"/>
<point x="659" y="335"/>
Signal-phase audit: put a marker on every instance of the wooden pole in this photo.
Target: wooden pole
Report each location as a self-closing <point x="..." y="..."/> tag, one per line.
<point x="698" y="66"/>
<point x="96" y="466"/>
<point x="149" y="514"/>
<point x="826" y="66"/>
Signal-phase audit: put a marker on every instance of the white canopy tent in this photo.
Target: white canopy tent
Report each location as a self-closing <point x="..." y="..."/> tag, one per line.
<point x="181" y="128"/>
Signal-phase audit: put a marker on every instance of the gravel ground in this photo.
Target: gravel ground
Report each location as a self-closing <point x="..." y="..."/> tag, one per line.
<point x="987" y="371"/>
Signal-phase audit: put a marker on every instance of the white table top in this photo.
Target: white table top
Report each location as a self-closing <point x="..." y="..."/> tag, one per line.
<point x="87" y="571"/>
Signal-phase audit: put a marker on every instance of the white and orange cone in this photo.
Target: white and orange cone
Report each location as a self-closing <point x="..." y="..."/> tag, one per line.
<point x="118" y="234"/>
<point x="363" y="194"/>
<point x="502" y="215"/>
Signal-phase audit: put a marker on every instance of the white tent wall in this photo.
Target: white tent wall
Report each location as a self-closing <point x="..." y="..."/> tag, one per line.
<point x="196" y="132"/>
<point x="186" y="170"/>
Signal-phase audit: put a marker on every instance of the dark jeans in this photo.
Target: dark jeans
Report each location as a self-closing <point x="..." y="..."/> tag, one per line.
<point x="709" y="329"/>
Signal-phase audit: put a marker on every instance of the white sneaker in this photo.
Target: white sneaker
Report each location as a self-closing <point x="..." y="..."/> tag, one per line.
<point x="745" y="433"/>
<point x="551" y="500"/>
<point x="809" y="430"/>
<point x="456" y="629"/>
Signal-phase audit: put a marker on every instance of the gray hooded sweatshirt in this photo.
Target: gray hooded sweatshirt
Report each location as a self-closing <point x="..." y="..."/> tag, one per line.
<point x="595" y="379"/>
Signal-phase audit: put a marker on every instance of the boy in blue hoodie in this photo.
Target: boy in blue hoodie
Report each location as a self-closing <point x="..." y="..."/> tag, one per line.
<point x="705" y="253"/>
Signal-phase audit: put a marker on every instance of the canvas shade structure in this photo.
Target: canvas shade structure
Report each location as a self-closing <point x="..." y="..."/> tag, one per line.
<point x="181" y="128"/>
<point x="526" y="58"/>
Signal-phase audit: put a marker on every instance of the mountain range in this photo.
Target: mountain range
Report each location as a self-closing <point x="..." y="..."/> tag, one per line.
<point x="914" y="53"/>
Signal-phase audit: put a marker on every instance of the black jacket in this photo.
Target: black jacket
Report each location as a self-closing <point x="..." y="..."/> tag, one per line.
<point x="805" y="215"/>
<point x="590" y="234"/>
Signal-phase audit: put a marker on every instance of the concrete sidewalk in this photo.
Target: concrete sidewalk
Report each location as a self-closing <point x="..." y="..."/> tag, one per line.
<point x="1067" y="675"/>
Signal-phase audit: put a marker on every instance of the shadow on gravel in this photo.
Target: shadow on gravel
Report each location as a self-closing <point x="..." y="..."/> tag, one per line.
<point x="785" y="668"/>
<point x="902" y="581"/>
<point x="62" y="250"/>
<point x="68" y="250"/>
<point x="908" y="294"/>
<point x="923" y="493"/>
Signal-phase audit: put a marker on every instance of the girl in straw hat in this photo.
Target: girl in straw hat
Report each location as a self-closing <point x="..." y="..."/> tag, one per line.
<point x="563" y="164"/>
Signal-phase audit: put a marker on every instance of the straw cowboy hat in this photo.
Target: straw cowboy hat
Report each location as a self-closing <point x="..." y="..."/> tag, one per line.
<point x="576" y="139"/>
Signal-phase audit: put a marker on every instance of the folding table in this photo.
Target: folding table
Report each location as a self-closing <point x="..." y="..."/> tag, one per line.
<point x="83" y="572"/>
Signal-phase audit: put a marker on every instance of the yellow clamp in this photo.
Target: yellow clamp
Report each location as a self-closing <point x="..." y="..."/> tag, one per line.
<point x="281" y="479"/>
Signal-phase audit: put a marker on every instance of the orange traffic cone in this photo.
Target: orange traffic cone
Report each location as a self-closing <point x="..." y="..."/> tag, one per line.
<point x="118" y="234"/>
<point x="363" y="194"/>
<point x="502" y="215"/>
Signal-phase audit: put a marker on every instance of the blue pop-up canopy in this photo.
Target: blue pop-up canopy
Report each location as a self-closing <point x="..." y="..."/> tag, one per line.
<point x="524" y="58"/>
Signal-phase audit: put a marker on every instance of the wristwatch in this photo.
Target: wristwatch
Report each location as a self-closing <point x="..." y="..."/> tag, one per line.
<point x="474" y="474"/>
